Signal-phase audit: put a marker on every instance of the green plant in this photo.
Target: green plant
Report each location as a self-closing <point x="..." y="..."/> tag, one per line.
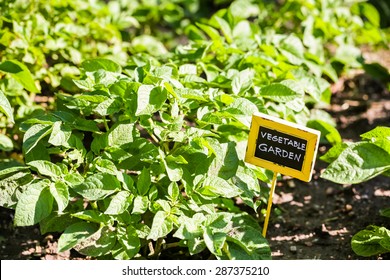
<point x="352" y="163"/>
<point x="114" y="191"/>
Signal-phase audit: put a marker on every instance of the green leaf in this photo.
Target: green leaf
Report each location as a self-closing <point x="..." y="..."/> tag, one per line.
<point x="98" y="244"/>
<point x="19" y="72"/>
<point x="163" y="205"/>
<point x="247" y="181"/>
<point x="34" y="204"/>
<point x="93" y="216"/>
<point x="56" y="222"/>
<point x="161" y="226"/>
<point x="215" y="186"/>
<point x="334" y="152"/>
<point x="172" y="166"/>
<point x="97" y="186"/>
<point x="149" y="44"/>
<point x="226" y="30"/>
<point x="75" y="234"/>
<point x="144" y="181"/>
<point x="10" y="166"/>
<point x="328" y="132"/>
<point x="95" y="64"/>
<point x="226" y="161"/>
<point x="187" y="69"/>
<point x="12" y="186"/>
<point x="6" y="108"/>
<point x="377" y="71"/>
<point x="385" y="212"/>
<point x="245" y="241"/>
<point x="108" y="107"/>
<point x="279" y="93"/>
<point x="244" y="9"/>
<point x="119" y="203"/>
<point x="128" y="244"/>
<point x="46" y="168"/>
<point x="371" y="13"/>
<point x="73" y="179"/>
<point x="357" y="163"/>
<point x="121" y="134"/>
<point x="196" y="245"/>
<point x="140" y="204"/>
<point x="348" y="55"/>
<point x="191" y="229"/>
<point x="99" y="142"/>
<point x="34" y="134"/>
<point x="60" y="134"/>
<point x="293" y="49"/>
<point x="379" y="136"/>
<point x="150" y="99"/>
<point x="106" y="166"/>
<point x="210" y="31"/>
<point x="6" y="143"/>
<point x="214" y="241"/>
<point x="127" y="181"/>
<point x="173" y="191"/>
<point x="60" y="192"/>
<point x="242" y="81"/>
<point x="371" y="241"/>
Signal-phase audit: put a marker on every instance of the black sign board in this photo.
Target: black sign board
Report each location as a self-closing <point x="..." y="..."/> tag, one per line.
<point x="280" y="148"/>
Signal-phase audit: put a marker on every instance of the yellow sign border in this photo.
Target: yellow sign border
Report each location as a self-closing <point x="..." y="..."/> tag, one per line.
<point x="310" y="135"/>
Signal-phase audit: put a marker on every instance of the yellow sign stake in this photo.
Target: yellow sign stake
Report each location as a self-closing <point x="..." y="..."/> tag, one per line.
<point x="283" y="147"/>
<point x="269" y="206"/>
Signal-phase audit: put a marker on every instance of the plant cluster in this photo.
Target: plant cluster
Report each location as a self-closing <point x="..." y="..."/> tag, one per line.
<point x="352" y="163"/>
<point x="138" y="144"/>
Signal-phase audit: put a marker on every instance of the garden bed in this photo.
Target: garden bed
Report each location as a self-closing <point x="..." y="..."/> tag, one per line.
<point x="313" y="220"/>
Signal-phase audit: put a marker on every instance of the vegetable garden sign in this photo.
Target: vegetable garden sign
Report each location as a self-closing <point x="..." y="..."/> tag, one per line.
<point x="282" y="147"/>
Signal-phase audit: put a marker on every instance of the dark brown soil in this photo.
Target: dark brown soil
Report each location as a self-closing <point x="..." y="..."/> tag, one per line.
<point x="313" y="220"/>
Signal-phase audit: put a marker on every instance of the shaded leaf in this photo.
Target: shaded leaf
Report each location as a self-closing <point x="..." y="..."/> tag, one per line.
<point x="97" y="244"/>
<point x="34" y="204"/>
<point x="74" y="234"/>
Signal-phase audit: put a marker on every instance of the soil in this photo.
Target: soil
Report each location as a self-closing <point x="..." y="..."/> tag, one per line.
<point x="313" y="220"/>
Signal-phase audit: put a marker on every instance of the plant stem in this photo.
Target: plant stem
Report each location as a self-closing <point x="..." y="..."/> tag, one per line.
<point x="154" y="138"/>
<point x="94" y="205"/>
<point x="170" y="245"/>
<point x="105" y="123"/>
<point x="158" y="246"/>
<point x="151" y="249"/>
<point x="154" y="252"/>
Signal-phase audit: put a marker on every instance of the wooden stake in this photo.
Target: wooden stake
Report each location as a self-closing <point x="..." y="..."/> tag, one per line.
<point x="271" y="193"/>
